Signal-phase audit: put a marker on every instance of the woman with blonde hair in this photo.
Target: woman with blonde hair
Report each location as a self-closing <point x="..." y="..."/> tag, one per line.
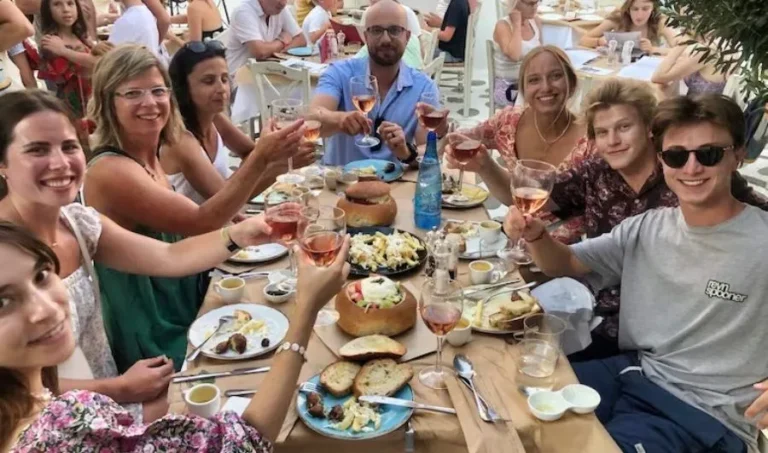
<point x="544" y="129"/>
<point x="636" y="15"/>
<point x="135" y="115"/>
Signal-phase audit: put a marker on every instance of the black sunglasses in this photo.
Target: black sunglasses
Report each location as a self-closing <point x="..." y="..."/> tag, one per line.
<point x="707" y="155"/>
<point x="200" y="46"/>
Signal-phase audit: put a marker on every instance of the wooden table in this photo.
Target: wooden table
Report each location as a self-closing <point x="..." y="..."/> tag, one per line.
<point x="434" y="432"/>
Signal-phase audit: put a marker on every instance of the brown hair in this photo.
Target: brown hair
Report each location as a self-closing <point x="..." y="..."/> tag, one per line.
<point x="50" y="27"/>
<point x="618" y="91"/>
<point x="124" y="63"/>
<point x="16" y="400"/>
<point x="712" y="108"/>
<point x="623" y="18"/>
<point x="560" y="56"/>
<point x="21" y="104"/>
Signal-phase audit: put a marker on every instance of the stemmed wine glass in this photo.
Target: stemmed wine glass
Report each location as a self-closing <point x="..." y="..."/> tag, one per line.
<point x="365" y="92"/>
<point x="431" y="120"/>
<point x="531" y="182"/>
<point x="284" y="113"/>
<point x="440" y="306"/>
<point x="282" y="213"/>
<point x="463" y="149"/>
<point x="321" y="232"/>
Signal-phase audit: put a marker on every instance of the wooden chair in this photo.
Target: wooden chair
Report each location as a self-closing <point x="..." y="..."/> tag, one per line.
<point x="501" y="9"/>
<point x="463" y="71"/>
<point x="435" y="68"/>
<point x="428" y="42"/>
<point x="490" y="50"/>
<point x="289" y="80"/>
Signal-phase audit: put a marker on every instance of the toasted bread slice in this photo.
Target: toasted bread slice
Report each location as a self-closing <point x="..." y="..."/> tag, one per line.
<point x="383" y="377"/>
<point x="339" y="377"/>
<point x="372" y="347"/>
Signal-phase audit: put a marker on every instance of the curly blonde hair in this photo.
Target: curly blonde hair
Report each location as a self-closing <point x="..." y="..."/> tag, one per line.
<point x="124" y="63"/>
<point x="618" y="91"/>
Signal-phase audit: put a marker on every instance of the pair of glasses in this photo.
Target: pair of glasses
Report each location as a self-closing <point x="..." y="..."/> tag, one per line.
<point x="135" y="95"/>
<point x="707" y="155"/>
<point x="200" y="46"/>
<point x="394" y="31"/>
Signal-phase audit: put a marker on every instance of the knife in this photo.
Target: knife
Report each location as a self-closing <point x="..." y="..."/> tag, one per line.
<point x="236" y="372"/>
<point x="375" y="399"/>
<point x="471" y="294"/>
<point x="235" y="392"/>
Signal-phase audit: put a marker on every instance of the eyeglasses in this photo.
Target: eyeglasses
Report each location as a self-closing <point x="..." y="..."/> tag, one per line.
<point x="394" y="31"/>
<point x="136" y="95"/>
<point x="707" y="155"/>
<point x="200" y="46"/>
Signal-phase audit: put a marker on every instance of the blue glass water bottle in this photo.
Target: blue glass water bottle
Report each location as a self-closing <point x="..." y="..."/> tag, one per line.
<point x="428" y="199"/>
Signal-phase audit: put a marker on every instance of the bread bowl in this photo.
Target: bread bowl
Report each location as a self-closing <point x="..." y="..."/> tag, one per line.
<point x="375" y="305"/>
<point x="368" y="203"/>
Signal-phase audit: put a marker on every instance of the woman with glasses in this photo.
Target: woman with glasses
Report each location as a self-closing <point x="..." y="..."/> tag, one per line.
<point x="197" y="165"/>
<point x="514" y="36"/>
<point x="136" y="116"/>
<point x="37" y="337"/>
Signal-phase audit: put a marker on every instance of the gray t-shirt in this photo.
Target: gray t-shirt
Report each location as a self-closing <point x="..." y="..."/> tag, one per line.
<point x="693" y="301"/>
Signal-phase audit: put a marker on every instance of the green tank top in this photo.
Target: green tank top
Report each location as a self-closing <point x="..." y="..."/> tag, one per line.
<point x="147" y="316"/>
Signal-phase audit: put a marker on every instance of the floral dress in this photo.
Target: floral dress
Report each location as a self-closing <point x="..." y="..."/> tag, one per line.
<point x="84" y="422"/>
<point x="499" y="132"/>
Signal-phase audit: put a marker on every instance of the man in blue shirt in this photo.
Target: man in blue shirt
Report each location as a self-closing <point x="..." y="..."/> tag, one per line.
<point x="394" y="120"/>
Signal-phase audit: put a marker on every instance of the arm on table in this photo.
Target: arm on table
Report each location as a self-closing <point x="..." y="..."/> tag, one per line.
<point x="594" y="38"/>
<point x="678" y="64"/>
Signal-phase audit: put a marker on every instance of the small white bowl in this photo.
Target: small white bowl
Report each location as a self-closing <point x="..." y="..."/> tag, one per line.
<point x="276" y="299"/>
<point x="581" y="398"/>
<point x="547" y="406"/>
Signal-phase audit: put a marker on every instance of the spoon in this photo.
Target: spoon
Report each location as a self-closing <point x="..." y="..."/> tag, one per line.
<point x="224" y="320"/>
<point x="463" y="367"/>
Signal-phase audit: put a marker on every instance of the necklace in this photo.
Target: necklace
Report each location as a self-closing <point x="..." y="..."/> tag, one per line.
<point x="541" y="136"/>
<point x="44" y="397"/>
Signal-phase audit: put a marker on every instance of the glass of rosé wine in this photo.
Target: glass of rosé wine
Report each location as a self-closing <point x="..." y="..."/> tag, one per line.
<point x="365" y="92"/>
<point x="431" y="118"/>
<point x="531" y="182"/>
<point x="463" y="149"/>
<point x="440" y="307"/>
<point x="282" y="212"/>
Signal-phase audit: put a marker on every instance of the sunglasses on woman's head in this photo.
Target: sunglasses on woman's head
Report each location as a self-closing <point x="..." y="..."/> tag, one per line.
<point x="707" y="155"/>
<point x="200" y="46"/>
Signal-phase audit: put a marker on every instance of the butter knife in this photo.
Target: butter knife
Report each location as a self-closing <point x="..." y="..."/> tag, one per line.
<point x="472" y="294"/>
<point x="237" y="392"/>
<point x="375" y="399"/>
<point x="236" y="372"/>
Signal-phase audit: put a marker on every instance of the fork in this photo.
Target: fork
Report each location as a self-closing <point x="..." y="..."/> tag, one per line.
<point x="309" y="387"/>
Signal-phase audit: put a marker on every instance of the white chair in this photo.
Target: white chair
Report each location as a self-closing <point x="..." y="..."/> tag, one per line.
<point x="464" y="70"/>
<point x="435" y="68"/>
<point x="428" y="40"/>
<point x="273" y="80"/>
<point x="501" y="8"/>
<point x="490" y="50"/>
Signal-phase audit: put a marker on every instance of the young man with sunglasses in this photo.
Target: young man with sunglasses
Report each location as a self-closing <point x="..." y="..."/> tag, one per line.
<point x="692" y="295"/>
<point x="400" y="87"/>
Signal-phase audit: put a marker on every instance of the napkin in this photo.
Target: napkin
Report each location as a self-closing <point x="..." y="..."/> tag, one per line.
<point x="573" y="302"/>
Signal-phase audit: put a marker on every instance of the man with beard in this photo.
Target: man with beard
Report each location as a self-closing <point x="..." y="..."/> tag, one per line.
<point x="400" y="89"/>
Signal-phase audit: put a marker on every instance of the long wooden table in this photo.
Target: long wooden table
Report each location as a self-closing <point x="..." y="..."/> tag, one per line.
<point x="493" y="357"/>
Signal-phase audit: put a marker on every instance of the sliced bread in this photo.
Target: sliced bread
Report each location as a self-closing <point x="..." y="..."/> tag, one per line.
<point x="372" y="347"/>
<point x="339" y="377"/>
<point x="382" y="377"/>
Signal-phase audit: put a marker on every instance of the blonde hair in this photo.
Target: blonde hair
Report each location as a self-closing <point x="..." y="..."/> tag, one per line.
<point x="619" y="92"/>
<point x="124" y="63"/>
<point x="561" y="57"/>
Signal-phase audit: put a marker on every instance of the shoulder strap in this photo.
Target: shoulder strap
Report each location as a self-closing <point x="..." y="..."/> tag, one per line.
<point x="87" y="261"/>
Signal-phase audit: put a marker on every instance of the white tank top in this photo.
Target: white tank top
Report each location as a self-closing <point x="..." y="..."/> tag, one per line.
<point x="182" y="186"/>
<point x="510" y="70"/>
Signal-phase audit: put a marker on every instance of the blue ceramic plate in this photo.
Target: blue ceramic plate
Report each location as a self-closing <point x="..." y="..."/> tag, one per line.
<point x="300" y="51"/>
<point x="386" y="171"/>
<point x="392" y="417"/>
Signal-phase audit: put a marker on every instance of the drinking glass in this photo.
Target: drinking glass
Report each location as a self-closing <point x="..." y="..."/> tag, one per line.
<point x="432" y="119"/>
<point x="284" y="113"/>
<point x="321" y="232"/>
<point x="531" y="182"/>
<point x="312" y="132"/>
<point x="536" y="364"/>
<point x="282" y="213"/>
<point x="463" y="149"/>
<point x="440" y="306"/>
<point x="365" y="92"/>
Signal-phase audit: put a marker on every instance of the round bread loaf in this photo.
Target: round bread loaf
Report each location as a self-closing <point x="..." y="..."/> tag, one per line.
<point x="368" y="203"/>
<point x="392" y="321"/>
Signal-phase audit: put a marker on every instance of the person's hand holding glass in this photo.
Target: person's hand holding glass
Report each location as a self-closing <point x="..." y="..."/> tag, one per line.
<point x="284" y="113"/>
<point x="531" y="182"/>
<point x="462" y="153"/>
<point x="440" y="307"/>
<point x="365" y="94"/>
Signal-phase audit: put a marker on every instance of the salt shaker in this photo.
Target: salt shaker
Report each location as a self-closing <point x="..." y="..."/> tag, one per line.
<point x="626" y="52"/>
<point x="612" y="56"/>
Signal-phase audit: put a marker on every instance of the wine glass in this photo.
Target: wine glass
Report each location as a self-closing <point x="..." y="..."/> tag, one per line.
<point x="431" y="120"/>
<point x="440" y="306"/>
<point x="284" y="113"/>
<point x="365" y="91"/>
<point x="282" y="212"/>
<point x="312" y="128"/>
<point x="463" y="150"/>
<point x="531" y="182"/>
<point x="321" y="232"/>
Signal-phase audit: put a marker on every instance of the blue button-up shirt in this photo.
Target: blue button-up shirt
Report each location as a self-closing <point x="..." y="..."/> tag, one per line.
<point x="399" y="107"/>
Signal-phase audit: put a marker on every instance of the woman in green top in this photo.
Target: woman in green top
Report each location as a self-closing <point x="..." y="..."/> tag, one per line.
<point x="135" y="114"/>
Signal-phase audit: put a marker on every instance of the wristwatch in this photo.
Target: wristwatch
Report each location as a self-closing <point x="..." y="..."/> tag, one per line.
<point x="412" y="154"/>
<point x="231" y="245"/>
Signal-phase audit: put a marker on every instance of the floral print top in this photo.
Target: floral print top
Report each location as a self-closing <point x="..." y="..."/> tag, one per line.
<point x="499" y="132"/>
<point x="80" y="421"/>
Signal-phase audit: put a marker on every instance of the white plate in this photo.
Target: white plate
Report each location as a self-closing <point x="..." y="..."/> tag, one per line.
<point x="473" y="248"/>
<point x="590" y="17"/>
<point x="259" y="254"/>
<point x="552" y="16"/>
<point x="276" y="328"/>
